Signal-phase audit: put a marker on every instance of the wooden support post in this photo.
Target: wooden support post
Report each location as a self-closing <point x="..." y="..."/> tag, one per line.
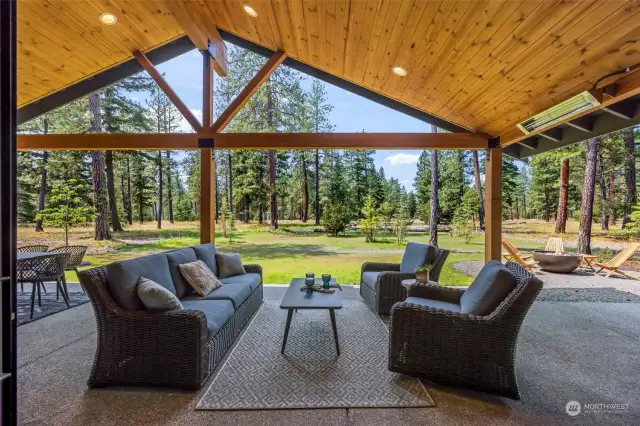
<point x="493" y="205"/>
<point x="207" y="159"/>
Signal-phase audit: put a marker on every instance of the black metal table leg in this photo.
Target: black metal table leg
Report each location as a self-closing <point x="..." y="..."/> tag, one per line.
<point x="332" y="314"/>
<point x="286" y="330"/>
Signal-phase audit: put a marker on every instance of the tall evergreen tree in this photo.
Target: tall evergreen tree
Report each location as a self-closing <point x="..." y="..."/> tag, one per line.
<point x="588" y="189"/>
<point x="100" y="204"/>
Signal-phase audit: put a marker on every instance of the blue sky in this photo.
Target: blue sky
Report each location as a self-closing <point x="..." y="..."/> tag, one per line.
<point x="351" y="113"/>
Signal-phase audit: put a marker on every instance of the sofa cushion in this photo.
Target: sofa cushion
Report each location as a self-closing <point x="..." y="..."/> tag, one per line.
<point x="123" y="278"/>
<point x="430" y="303"/>
<point x="200" y="277"/>
<point x="216" y="311"/>
<point x="252" y="279"/>
<point x="415" y="255"/>
<point x="207" y="253"/>
<point x="237" y="293"/>
<point x="369" y="279"/>
<point x="229" y="264"/>
<point x="492" y="285"/>
<point x="155" y="297"/>
<point x="179" y="257"/>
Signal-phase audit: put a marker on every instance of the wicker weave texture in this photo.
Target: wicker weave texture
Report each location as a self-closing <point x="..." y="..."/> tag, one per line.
<point x="76" y="254"/>
<point x="460" y="349"/>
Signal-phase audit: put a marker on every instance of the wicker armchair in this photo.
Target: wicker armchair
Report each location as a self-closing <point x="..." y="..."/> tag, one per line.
<point x="31" y="249"/>
<point x="76" y="254"/>
<point x="39" y="270"/>
<point x="169" y="348"/>
<point x="387" y="289"/>
<point x="452" y="348"/>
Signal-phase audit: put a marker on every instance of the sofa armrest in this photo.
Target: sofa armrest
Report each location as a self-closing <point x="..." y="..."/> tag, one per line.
<point x="380" y="267"/>
<point x="253" y="268"/>
<point x="435" y="292"/>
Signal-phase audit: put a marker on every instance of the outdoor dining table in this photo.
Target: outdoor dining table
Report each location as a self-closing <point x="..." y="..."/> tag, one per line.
<point x="20" y="256"/>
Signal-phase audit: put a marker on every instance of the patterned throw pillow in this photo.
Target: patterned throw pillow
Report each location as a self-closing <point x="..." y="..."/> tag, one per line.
<point x="155" y="297"/>
<point x="200" y="277"/>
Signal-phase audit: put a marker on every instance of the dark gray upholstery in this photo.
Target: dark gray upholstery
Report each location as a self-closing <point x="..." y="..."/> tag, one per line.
<point x="492" y="285"/>
<point x="237" y="293"/>
<point x="229" y="265"/>
<point x="124" y="276"/>
<point x="370" y="278"/>
<point x="180" y="257"/>
<point x="416" y="255"/>
<point x="251" y="278"/>
<point x="217" y="312"/>
<point x="207" y="253"/>
<point x="430" y="303"/>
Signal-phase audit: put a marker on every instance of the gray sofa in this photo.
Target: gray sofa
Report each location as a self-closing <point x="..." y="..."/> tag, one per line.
<point x="172" y="348"/>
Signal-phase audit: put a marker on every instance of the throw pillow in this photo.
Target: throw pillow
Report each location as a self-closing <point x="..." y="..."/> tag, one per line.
<point x="229" y="264"/>
<point x="200" y="277"/>
<point x="155" y="297"/>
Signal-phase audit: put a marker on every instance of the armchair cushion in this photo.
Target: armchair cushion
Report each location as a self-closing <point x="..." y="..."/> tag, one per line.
<point x="229" y="264"/>
<point x="124" y="276"/>
<point x="217" y="312"/>
<point x="369" y="279"/>
<point x="492" y="285"/>
<point x="252" y="279"/>
<point x="155" y="297"/>
<point x="179" y="257"/>
<point x="207" y="253"/>
<point x="415" y="255"/>
<point x="236" y="293"/>
<point x="430" y="303"/>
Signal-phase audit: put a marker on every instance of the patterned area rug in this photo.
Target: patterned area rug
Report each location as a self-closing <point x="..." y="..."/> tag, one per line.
<point x="49" y="306"/>
<point x="310" y="374"/>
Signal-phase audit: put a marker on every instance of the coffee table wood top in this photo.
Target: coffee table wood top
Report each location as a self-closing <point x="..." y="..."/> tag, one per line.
<point x="294" y="298"/>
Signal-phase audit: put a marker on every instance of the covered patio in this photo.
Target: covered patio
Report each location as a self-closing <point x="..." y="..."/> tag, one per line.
<point x="507" y="78"/>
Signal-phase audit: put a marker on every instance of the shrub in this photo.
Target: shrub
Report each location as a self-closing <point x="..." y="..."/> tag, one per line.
<point x="462" y="229"/>
<point x="400" y="225"/>
<point x="371" y="222"/>
<point x="334" y="219"/>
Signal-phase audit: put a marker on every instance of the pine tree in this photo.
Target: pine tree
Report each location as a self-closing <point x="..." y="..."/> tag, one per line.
<point x="588" y="189"/>
<point x="100" y="203"/>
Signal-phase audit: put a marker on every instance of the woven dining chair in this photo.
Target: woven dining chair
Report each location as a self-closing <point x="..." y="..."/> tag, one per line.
<point x="41" y="269"/>
<point x="76" y="254"/>
<point x="31" y="249"/>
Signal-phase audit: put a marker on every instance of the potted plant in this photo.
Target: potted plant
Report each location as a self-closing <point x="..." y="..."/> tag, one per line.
<point x="422" y="274"/>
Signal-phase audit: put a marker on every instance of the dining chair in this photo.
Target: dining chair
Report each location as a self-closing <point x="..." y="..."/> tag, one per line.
<point x="40" y="269"/>
<point x="37" y="248"/>
<point x="76" y="254"/>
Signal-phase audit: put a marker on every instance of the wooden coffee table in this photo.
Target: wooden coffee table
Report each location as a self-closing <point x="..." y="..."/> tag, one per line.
<point x="295" y="299"/>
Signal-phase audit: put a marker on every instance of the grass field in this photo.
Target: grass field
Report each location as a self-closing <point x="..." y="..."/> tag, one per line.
<point x="295" y="249"/>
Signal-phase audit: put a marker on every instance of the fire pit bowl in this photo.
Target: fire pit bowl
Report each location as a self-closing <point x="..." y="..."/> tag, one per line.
<point x="557" y="262"/>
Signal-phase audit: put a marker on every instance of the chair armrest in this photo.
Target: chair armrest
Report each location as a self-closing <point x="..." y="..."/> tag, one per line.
<point x="435" y="292"/>
<point x="380" y="267"/>
<point x="253" y="268"/>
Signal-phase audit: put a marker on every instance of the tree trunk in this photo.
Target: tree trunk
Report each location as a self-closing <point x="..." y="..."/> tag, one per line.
<point x="123" y="193"/>
<point x="561" y="217"/>
<point x="272" y="189"/>
<point x="612" y="199"/>
<point x="100" y="203"/>
<point x="43" y="182"/>
<point x="160" y="192"/>
<point x="604" y="223"/>
<point x="630" y="193"/>
<point x="111" y="190"/>
<point x="230" y="184"/>
<point x="305" y="190"/>
<point x="129" y="199"/>
<point x="547" y="206"/>
<point x="317" y="169"/>
<point x="476" y="175"/>
<point x="433" y="216"/>
<point x="169" y="191"/>
<point x="588" y="190"/>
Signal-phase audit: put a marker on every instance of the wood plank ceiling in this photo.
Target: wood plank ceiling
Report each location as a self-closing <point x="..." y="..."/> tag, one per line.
<point x="484" y="65"/>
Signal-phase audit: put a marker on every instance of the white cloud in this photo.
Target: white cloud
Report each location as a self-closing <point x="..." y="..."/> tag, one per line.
<point x="185" y="127"/>
<point x="402" y="158"/>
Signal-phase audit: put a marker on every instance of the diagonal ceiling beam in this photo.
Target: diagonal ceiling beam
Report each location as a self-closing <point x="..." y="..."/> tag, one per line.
<point x="173" y="97"/>
<point x="252" y="87"/>
<point x="203" y="34"/>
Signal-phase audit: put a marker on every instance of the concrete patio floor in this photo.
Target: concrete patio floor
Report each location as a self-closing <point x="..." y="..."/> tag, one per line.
<point x="582" y="351"/>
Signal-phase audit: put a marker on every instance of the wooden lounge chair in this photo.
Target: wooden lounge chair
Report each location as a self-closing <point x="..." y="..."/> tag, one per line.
<point x="517" y="257"/>
<point x="616" y="263"/>
<point x="555" y="245"/>
<point x="507" y="256"/>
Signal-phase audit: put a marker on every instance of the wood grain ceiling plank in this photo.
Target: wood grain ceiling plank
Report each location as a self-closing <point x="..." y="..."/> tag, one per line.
<point x="280" y="30"/>
<point x="395" y="38"/>
<point x="310" y="14"/>
<point x="139" y="18"/>
<point x="330" y="23"/>
<point x="296" y="10"/>
<point x="371" y="10"/>
<point x="551" y="50"/>
<point x="340" y="34"/>
<point x="374" y="40"/>
<point x="522" y="41"/>
<point x="244" y="25"/>
<point x="266" y="24"/>
<point x="324" y="36"/>
<point x="353" y="35"/>
<point x="127" y="34"/>
<point x="446" y="88"/>
<point x="286" y="27"/>
<point x="387" y="27"/>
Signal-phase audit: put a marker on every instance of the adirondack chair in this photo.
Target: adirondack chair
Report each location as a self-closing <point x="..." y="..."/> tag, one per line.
<point x="555" y="245"/>
<point x="616" y="263"/>
<point x="517" y="257"/>
<point x="508" y="256"/>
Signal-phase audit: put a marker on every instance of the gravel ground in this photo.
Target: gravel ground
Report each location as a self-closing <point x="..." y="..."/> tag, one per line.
<point x="577" y="286"/>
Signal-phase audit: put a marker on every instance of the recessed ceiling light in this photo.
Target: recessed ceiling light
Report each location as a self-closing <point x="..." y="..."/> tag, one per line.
<point x="399" y="71"/>
<point x="250" y="11"/>
<point x="108" y="18"/>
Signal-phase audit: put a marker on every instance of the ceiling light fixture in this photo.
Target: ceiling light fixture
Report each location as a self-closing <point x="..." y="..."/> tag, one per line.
<point x="250" y="11"/>
<point x="108" y="18"/>
<point x="399" y="71"/>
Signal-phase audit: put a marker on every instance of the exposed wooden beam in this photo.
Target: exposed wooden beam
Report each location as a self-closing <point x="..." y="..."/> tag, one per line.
<point x="493" y="205"/>
<point x="202" y="33"/>
<point x="207" y="196"/>
<point x="207" y="91"/>
<point x="173" y="97"/>
<point x="252" y="87"/>
<point x="141" y="141"/>
<point x="626" y="87"/>
<point x="584" y="123"/>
